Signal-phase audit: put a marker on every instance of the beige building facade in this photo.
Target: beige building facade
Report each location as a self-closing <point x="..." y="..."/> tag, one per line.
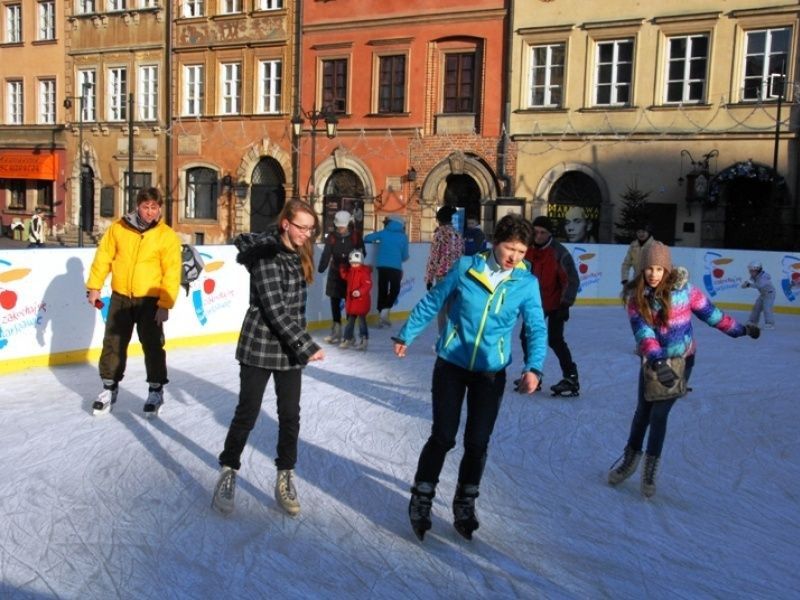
<point x="691" y="103"/>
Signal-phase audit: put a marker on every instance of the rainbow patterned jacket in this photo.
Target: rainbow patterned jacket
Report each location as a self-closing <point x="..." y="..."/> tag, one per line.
<point x="677" y="339"/>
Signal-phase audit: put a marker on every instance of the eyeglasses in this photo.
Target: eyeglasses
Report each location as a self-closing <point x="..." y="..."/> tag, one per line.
<point x="308" y="230"/>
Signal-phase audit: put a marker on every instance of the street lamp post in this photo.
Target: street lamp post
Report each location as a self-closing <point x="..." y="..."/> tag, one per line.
<point x="68" y="104"/>
<point x="314" y="117"/>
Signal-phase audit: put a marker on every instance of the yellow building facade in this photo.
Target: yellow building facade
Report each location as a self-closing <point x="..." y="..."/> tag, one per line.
<point x="690" y="103"/>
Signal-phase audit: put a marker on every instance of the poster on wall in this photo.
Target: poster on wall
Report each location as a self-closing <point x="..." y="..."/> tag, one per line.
<point x="574" y="223"/>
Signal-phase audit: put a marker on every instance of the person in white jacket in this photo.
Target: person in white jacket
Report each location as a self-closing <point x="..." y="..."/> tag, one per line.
<point x="36" y="230"/>
<point x="761" y="280"/>
<point x="644" y="239"/>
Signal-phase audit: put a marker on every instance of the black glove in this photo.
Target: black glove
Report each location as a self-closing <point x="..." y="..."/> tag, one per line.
<point x="752" y="330"/>
<point x="666" y="376"/>
<point x="624" y="282"/>
<point x="428" y="286"/>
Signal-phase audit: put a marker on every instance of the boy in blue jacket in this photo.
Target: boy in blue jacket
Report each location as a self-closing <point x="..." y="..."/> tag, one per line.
<point x="392" y="252"/>
<point x="484" y="295"/>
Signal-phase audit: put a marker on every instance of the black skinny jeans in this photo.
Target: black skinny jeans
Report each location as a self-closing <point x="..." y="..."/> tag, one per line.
<point x="484" y="392"/>
<point x="556" y="341"/>
<point x="253" y="382"/>
<point x="653" y="415"/>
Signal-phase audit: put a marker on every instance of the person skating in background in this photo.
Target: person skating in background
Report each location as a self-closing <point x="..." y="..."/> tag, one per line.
<point x="555" y="269"/>
<point x="761" y="281"/>
<point x="660" y="302"/>
<point x="474" y="238"/>
<point x="143" y="255"/>
<point x="36" y="229"/>
<point x="273" y="343"/>
<point x="485" y="295"/>
<point x="358" y="277"/>
<point x="338" y="245"/>
<point x="392" y="252"/>
<point x="632" y="259"/>
<point x="447" y="246"/>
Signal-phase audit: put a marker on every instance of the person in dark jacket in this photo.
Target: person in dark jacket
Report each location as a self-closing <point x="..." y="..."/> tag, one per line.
<point x="392" y="252"/>
<point x="273" y="343"/>
<point x="558" y="280"/>
<point x="338" y="245"/>
<point x="474" y="238"/>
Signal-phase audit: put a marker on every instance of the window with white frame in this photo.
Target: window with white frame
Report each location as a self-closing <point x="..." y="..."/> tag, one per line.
<point x="193" y="8"/>
<point x="148" y="3"/>
<point x="192" y="90"/>
<point x="86" y="7"/>
<point x="687" y="68"/>
<point x="47" y="101"/>
<point x="116" y="94"/>
<point x="47" y="20"/>
<point x="613" y="73"/>
<point x="148" y="92"/>
<point x="201" y="193"/>
<point x="14" y="103"/>
<point x="227" y="7"/>
<point x="270" y="4"/>
<point x="547" y="75"/>
<point x="86" y="87"/>
<point x="270" y="78"/>
<point x="13" y="23"/>
<point x="230" y="101"/>
<point x="765" y="63"/>
<point x="116" y="5"/>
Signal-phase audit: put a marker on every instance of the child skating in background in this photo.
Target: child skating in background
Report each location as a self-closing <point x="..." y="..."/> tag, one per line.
<point x="660" y="304"/>
<point x="358" y="300"/>
<point x="761" y="280"/>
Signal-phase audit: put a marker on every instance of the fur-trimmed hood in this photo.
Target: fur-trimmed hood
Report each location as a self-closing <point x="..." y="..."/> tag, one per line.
<point x="681" y="277"/>
<point x="255" y="246"/>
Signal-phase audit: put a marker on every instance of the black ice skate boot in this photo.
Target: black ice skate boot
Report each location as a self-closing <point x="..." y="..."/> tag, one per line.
<point x="464" y="519"/>
<point x="649" y="475"/>
<point x="567" y="387"/>
<point x="419" y="508"/>
<point x="625" y="466"/>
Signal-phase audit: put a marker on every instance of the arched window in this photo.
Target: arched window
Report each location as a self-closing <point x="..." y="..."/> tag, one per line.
<point x="201" y="193"/>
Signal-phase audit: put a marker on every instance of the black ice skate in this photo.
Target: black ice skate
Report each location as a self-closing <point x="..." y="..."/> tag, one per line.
<point x="567" y="387"/>
<point x="154" y="402"/>
<point x="464" y="519"/>
<point x="419" y="508"/>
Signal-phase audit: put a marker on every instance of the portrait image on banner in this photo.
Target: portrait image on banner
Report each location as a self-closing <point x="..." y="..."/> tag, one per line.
<point x="575" y="224"/>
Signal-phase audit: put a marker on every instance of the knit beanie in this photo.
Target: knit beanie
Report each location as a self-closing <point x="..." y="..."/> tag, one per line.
<point x="544" y="223"/>
<point x="657" y="254"/>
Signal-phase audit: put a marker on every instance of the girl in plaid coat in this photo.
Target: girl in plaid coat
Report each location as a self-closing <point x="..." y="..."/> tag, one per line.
<point x="273" y="342"/>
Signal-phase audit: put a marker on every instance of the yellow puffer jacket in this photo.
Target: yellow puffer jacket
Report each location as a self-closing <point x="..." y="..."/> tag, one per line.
<point x="141" y="263"/>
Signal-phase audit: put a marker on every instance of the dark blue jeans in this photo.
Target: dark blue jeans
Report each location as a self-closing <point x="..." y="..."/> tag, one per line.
<point x="653" y="415"/>
<point x="484" y="391"/>
<point x="349" y="329"/>
<point x="253" y="382"/>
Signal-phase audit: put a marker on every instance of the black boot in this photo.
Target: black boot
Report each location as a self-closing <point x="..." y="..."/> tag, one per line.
<point x="568" y="386"/>
<point x="625" y="466"/>
<point x="419" y="508"/>
<point x="464" y="519"/>
<point x="649" y="475"/>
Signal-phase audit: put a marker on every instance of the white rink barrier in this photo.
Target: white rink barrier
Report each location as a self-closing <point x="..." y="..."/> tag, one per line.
<point x="45" y="319"/>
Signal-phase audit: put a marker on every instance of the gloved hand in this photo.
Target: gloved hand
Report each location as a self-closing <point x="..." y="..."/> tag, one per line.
<point x="563" y="312"/>
<point x="624" y="282"/>
<point x="752" y="330"/>
<point x="745" y="284"/>
<point x="428" y="286"/>
<point x="666" y="376"/>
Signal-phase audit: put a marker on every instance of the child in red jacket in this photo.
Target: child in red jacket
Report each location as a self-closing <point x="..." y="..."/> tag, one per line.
<point x="358" y="300"/>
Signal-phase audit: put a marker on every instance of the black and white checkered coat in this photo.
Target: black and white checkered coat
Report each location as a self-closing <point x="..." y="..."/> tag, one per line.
<point x="273" y="334"/>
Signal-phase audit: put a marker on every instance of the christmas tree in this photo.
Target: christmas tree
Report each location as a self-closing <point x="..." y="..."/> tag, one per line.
<point x="633" y="214"/>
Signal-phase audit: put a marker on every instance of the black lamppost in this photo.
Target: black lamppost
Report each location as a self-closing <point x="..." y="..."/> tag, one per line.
<point x="314" y="117"/>
<point x="68" y="104"/>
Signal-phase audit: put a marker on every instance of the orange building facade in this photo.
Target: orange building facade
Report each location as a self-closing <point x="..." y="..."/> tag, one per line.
<point x="417" y="92"/>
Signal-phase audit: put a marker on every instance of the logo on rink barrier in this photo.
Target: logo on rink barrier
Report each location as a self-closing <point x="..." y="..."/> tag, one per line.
<point x="716" y="278"/>
<point x="206" y="298"/>
<point x="790" y="277"/>
<point x="13" y="317"/>
<point x="585" y="264"/>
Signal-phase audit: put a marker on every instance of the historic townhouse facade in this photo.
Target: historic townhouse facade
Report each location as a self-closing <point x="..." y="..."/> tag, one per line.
<point x="117" y="120"/>
<point x="416" y="89"/>
<point x="233" y="82"/>
<point x="32" y="144"/>
<point x="679" y="100"/>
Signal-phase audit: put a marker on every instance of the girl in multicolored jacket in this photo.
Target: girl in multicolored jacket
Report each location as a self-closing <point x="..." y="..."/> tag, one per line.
<point x="447" y="246"/>
<point x="660" y="304"/>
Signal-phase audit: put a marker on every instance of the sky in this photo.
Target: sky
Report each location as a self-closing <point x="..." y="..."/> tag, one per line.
<point x="119" y="506"/>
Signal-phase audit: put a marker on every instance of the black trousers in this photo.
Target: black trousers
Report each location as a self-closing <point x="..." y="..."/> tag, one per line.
<point x="388" y="286"/>
<point x="484" y="392"/>
<point x="123" y="315"/>
<point x="253" y="382"/>
<point x="556" y="341"/>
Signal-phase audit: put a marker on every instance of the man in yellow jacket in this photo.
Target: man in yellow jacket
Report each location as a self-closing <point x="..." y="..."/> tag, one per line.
<point x="143" y="255"/>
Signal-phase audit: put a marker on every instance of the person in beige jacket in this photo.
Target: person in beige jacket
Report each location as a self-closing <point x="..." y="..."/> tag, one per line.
<point x="143" y="255"/>
<point x="644" y="239"/>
